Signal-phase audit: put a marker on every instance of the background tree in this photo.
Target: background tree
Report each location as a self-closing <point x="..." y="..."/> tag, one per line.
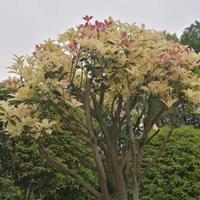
<point x="172" y="37"/>
<point x="105" y="85"/>
<point x="191" y="36"/>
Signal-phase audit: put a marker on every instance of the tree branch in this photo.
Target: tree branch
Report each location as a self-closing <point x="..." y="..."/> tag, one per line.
<point x="85" y="163"/>
<point x="93" y="144"/>
<point x="132" y="140"/>
<point x="153" y="135"/>
<point x="116" y="117"/>
<point x="158" y="154"/>
<point x="98" y="115"/>
<point x="65" y="170"/>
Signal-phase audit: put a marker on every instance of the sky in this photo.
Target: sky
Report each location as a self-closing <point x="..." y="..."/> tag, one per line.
<point x="24" y="23"/>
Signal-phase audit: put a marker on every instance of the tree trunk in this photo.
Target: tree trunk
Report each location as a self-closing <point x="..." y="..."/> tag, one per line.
<point x="116" y="173"/>
<point x="138" y="155"/>
<point x="136" y="192"/>
<point x="121" y="187"/>
<point x="136" y="181"/>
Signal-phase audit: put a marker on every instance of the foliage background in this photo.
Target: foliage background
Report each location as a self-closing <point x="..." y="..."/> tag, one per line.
<point x="176" y="175"/>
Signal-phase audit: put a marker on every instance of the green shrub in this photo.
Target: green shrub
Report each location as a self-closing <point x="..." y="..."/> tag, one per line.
<point x="177" y="174"/>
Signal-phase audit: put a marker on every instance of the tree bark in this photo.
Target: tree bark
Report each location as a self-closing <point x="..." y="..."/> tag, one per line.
<point x="121" y="189"/>
<point x="136" y="190"/>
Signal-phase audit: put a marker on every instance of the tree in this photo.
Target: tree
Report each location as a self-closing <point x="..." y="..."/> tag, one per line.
<point x="172" y="37"/>
<point x="106" y="84"/>
<point x="191" y="36"/>
<point x="187" y="114"/>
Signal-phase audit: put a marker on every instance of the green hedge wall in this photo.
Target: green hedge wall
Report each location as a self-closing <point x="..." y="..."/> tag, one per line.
<point x="176" y="176"/>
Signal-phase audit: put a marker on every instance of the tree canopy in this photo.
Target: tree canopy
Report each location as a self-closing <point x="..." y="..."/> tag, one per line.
<point x="107" y="83"/>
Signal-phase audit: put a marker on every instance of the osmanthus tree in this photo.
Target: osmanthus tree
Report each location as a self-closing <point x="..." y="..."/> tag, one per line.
<point x="106" y="84"/>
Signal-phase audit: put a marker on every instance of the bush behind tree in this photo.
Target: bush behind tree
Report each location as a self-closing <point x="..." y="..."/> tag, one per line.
<point x="177" y="174"/>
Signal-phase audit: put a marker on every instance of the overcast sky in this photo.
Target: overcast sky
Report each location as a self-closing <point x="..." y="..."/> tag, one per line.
<point x="25" y="23"/>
